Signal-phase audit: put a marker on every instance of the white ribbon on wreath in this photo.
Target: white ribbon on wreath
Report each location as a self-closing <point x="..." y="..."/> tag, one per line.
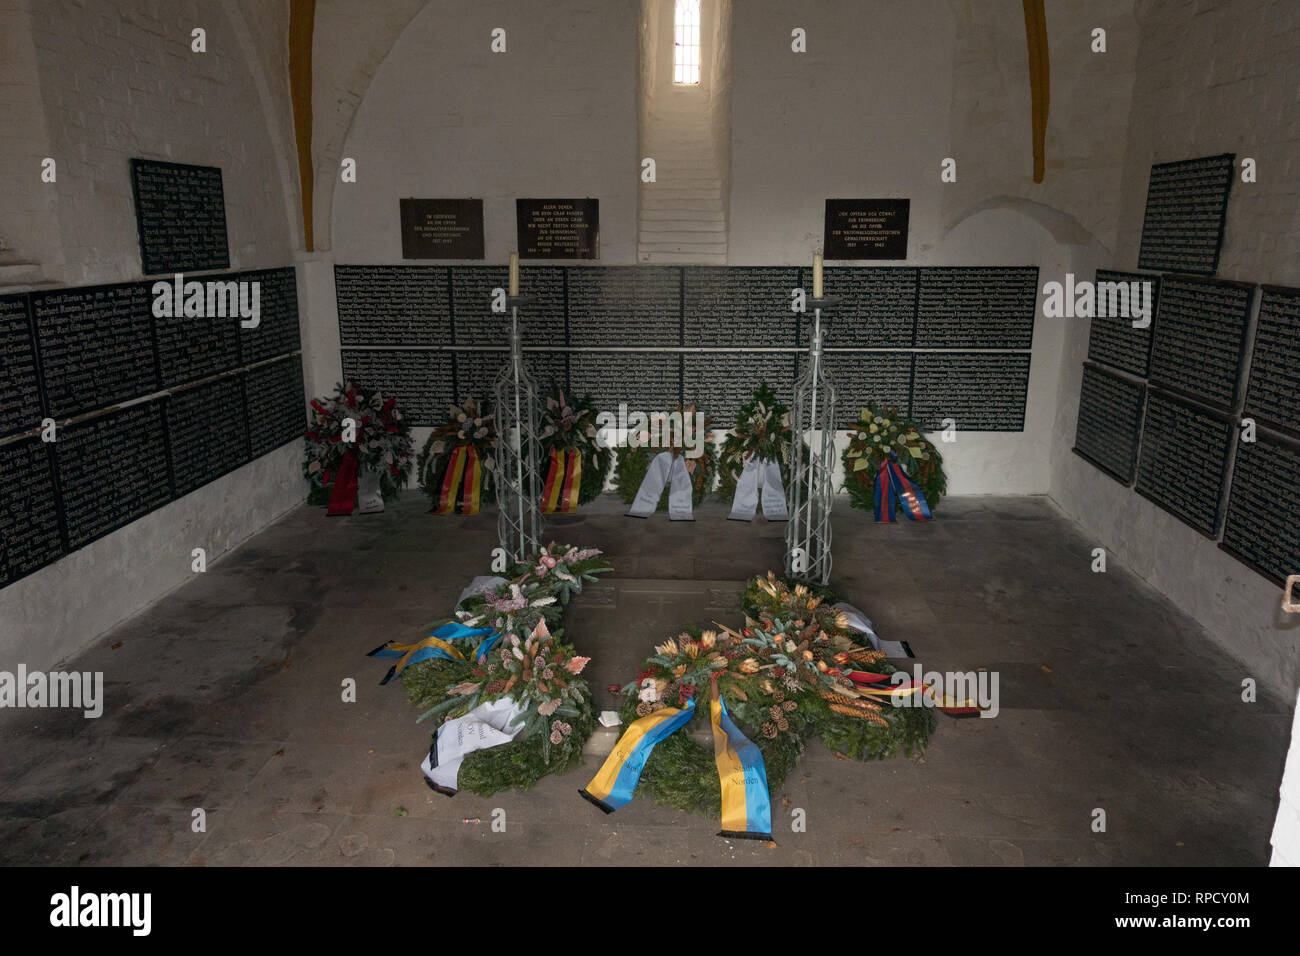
<point x="665" y="469"/>
<point x="760" y="479"/>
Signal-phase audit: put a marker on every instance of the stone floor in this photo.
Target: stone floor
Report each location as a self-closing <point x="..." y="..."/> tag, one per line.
<point x="226" y="696"/>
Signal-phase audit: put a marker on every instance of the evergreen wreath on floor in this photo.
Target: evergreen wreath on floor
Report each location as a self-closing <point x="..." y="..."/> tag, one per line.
<point x="530" y="663"/>
<point x="879" y="431"/>
<point x="631" y="464"/>
<point x="382" y="440"/>
<point x="763" y="431"/>
<point x="783" y="678"/>
<point x="567" y="425"/>
<point x="474" y="432"/>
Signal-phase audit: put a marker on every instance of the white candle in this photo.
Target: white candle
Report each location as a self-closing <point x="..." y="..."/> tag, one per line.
<point x="514" y="273"/>
<point x="817" y="275"/>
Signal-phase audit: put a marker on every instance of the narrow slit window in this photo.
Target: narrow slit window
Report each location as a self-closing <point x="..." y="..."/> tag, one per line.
<point x="686" y="53"/>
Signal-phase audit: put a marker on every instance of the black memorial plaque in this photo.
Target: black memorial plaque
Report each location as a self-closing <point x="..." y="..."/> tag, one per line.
<point x="877" y="307"/>
<point x="30" y="537"/>
<point x="980" y="391"/>
<point x="112" y="470"/>
<point x="625" y="306"/>
<point x="558" y="229"/>
<point x="96" y="345"/>
<point x="1110" y="421"/>
<point x="739" y="307"/>
<point x="476" y="371"/>
<point x="720" y="382"/>
<point x="863" y="377"/>
<point x="180" y="213"/>
<point x="1273" y="391"/>
<point x="1122" y="298"/>
<point x="475" y="324"/>
<point x="1183" y="461"/>
<point x="1200" y="338"/>
<point x="421" y="381"/>
<point x="207" y="432"/>
<point x="646" y="381"/>
<point x="277" y="332"/>
<point x="442" y="228"/>
<point x="976" y="307"/>
<point x="393" y="305"/>
<point x="191" y="347"/>
<point x="1187" y="202"/>
<point x="20" y="381"/>
<point x="1262" y="526"/>
<point x="866" y="228"/>
<point x="277" y="408"/>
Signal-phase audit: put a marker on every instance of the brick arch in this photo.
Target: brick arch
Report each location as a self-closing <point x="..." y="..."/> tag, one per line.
<point x="350" y="43"/>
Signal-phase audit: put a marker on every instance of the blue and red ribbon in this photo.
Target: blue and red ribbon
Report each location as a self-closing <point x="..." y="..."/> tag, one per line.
<point x="893" y="486"/>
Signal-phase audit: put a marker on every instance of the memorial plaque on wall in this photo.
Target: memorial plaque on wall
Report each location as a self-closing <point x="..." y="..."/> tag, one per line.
<point x="1110" y="421"/>
<point x="393" y="305"/>
<point x="193" y="347"/>
<point x="1273" y="391"/>
<point x="981" y="391"/>
<point x="476" y="372"/>
<point x="1124" y="297"/>
<point x="277" y="408"/>
<point x="558" y="229"/>
<point x="421" y="381"/>
<point x="30" y="537"/>
<point x="878" y="307"/>
<point x="442" y="228"/>
<point x="1262" y="526"/>
<point x="646" y="381"/>
<point x="862" y="377"/>
<point x="1199" y="339"/>
<point x="207" y="432"/>
<point x="180" y="213"/>
<point x="720" y="382"/>
<point x="19" y="380"/>
<point x="1183" y="461"/>
<point x="739" y="306"/>
<point x="625" y="306"/>
<point x="866" y="229"/>
<point x="96" y="345"/>
<point x="112" y="470"/>
<point x="474" y="322"/>
<point x="1187" y="201"/>
<point x="277" y="331"/>
<point x="976" y="307"/>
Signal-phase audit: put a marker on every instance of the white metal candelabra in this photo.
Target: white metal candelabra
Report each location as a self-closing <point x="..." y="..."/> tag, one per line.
<point x="519" y="489"/>
<point x="808" y="535"/>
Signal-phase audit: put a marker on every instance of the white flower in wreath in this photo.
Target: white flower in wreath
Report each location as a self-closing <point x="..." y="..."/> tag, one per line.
<point x="874" y="428"/>
<point x="461" y="416"/>
<point x="875" y="439"/>
<point x="461" y="433"/>
<point x="648" y="693"/>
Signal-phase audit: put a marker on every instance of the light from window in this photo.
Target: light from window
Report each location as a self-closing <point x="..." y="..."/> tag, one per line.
<point x="686" y="55"/>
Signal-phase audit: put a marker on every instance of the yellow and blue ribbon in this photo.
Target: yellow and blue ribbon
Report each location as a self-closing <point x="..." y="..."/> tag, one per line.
<point x="437" y="644"/>
<point x="616" y="781"/>
<point x="746" y="805"/>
